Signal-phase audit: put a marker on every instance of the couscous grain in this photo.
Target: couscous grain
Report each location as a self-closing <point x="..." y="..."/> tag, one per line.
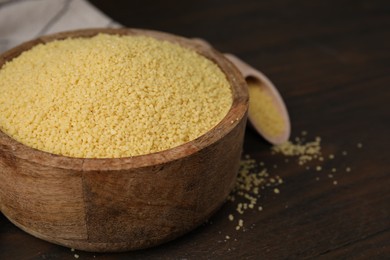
<point x="263" y="110"/>
<point x="110" y="96"/>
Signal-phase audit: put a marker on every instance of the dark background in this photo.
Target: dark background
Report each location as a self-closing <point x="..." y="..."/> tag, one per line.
<point x="331" y="62"/>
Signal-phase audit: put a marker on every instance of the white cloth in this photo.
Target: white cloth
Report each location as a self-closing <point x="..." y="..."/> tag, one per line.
<point x="22" y="20"/>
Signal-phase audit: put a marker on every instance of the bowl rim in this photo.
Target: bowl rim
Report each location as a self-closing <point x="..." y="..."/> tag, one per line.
<point x="236" y="113"/>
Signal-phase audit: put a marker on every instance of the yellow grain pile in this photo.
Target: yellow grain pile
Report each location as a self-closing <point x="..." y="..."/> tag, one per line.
<point x="263" y="110"/>
<point x="110" y="96"/>
<point x="305" y="151"/>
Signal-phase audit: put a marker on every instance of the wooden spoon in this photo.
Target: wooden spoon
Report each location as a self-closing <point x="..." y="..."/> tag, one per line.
<point x="274" y="123"/>
<point x="280" y="131"/>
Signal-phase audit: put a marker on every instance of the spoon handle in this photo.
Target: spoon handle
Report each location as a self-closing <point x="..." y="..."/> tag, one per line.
<point x="248" y="71"/>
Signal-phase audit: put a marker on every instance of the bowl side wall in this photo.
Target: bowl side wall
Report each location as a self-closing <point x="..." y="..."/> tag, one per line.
<point x="124" y="209"/>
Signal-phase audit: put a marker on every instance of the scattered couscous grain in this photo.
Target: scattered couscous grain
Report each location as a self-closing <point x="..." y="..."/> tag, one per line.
<point x="344" y="153"/>
<point x="101" y="97"/>
<point x="304" y="151"/>
<point x="359" y="145"/>
<point x="252" y="177"/>
<point x="241" y="222"/>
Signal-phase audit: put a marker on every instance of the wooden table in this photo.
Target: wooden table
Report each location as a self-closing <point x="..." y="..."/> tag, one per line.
<point x="331" y="62"/>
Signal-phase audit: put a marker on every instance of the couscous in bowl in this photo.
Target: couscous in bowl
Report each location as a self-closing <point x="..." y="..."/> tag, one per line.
<point x="127" y="203"/>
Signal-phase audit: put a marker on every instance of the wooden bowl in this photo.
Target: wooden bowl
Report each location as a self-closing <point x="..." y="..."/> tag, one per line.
<point x="123" y="203"/>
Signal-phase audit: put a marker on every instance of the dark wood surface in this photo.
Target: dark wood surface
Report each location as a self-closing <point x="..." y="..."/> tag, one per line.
<point x="331" y="62"/>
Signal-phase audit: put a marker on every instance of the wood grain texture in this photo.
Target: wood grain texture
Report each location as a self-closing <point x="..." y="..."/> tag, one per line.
<point x="124" y="203"/>
<point x="331" y="63"/>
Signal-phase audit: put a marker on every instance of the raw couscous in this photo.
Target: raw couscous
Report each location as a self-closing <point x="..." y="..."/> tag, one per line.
<point x="110" y="96"/>
<point x="263" y="110"/>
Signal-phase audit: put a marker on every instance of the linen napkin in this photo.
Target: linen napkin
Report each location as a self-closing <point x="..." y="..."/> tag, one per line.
<point x="22" y="20"/>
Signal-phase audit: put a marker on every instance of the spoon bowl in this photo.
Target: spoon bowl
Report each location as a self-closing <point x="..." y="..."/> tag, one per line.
<point x="256" y="79"/>
<point x="263" y="121"/>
